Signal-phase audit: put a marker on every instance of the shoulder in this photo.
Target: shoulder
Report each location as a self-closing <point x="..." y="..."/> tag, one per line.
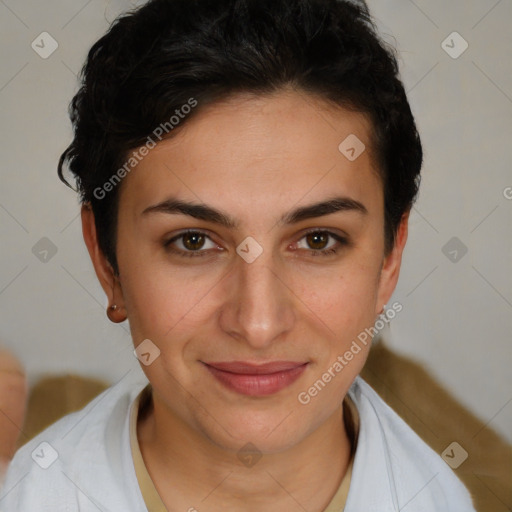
<point x="406" y="472"/>
<point x="82" y="449"/>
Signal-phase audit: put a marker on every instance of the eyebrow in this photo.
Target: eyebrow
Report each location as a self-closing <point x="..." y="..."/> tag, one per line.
<point x="210" y="214"/>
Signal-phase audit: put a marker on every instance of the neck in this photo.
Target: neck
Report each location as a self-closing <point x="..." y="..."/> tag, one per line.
<point x="187" y="467"/>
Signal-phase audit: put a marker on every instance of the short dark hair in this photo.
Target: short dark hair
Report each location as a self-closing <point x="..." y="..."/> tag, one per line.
<point x="155" y="58"/>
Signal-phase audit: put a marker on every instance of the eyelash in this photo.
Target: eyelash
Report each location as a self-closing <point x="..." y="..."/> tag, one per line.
<point x="342" y="242"/>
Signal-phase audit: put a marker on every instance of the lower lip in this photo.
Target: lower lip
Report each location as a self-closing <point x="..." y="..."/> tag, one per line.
<point x="258" y="385"/>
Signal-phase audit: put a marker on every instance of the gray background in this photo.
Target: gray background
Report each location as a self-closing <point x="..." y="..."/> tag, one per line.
<point x="457" y="308"/>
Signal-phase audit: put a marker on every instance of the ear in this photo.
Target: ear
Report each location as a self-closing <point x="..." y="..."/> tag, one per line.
<point x="391" y="265"/>
<point x="104" y="271"/>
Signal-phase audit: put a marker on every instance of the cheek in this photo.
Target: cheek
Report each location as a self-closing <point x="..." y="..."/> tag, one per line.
<point x="169" y="311"/>
<point x="165" y="303"/>
<point x="160" y="303"/>
<point x="344" y="296"/>
<point x="339" y="310"/>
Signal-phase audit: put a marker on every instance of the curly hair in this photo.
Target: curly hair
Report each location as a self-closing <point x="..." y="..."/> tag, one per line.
<point x="155" y="58"/>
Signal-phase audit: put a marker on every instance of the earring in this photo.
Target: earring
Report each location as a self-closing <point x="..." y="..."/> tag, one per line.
<point x="383" y="310"/>
<point x="113" y="313"/>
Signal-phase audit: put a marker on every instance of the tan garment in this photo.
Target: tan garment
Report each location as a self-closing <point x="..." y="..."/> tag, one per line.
<point x="150" y="494"/>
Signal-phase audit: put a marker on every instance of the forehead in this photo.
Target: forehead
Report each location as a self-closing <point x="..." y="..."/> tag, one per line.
<point x="258" y="153"/>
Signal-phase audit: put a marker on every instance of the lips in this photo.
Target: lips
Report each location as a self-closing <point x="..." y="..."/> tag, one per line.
<point x="241" y="367"/>
<point x="256" y="379"/>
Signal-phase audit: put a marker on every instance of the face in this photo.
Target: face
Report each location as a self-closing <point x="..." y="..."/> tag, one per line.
<point x="261" y="273"/>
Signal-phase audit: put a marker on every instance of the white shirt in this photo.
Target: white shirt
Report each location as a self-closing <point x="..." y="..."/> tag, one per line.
<point x="83" y="462"/>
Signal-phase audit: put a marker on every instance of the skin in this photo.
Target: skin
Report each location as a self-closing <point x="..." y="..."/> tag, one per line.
<point x="255" y="159"/>
<point x="13" y="398"/>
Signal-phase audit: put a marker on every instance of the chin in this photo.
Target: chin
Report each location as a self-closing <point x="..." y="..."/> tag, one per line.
<point x="270" y="432"/>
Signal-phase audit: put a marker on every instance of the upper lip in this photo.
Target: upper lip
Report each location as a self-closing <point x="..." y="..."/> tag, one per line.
<point x="246" y="368"/>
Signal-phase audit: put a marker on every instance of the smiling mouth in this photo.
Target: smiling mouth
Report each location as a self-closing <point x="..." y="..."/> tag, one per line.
<point x="256" y="379"/>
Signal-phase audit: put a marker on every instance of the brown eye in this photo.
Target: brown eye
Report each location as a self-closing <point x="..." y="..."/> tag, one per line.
<point x="322" y="243"/>
<point x="317" y="240"/>
<point x="193" y="241"/>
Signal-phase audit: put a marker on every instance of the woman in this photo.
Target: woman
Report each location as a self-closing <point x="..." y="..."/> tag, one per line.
<point x="246" y="170"/>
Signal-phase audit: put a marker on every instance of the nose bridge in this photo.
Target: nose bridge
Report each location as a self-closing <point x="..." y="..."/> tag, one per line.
<point x="261" y="301"/>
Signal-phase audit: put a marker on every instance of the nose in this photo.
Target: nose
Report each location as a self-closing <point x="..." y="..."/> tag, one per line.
<point x="259" y="308"/>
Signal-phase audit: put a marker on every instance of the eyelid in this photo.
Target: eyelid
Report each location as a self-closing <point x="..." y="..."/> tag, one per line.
<point x="330" y="231"/>
<point x="342" y="240"/>
<point x="184" y="232"/>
